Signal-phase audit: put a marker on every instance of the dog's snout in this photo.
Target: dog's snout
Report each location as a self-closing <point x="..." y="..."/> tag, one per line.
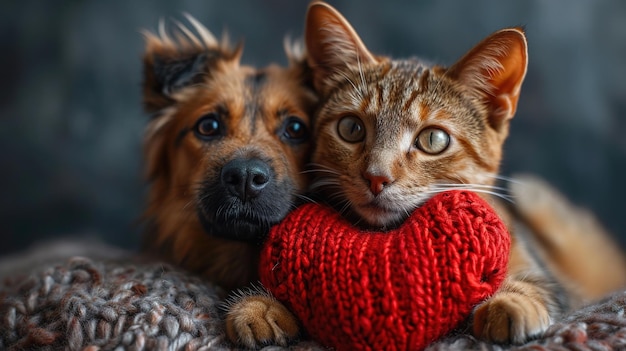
<point x="246" y="178"/>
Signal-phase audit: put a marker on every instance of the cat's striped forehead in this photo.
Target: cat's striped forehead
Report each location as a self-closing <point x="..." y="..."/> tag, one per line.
<point x="396" y="88"/>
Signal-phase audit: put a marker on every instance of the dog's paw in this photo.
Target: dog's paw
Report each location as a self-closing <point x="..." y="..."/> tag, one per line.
<point x="509" y="317"/>
<point x="258" y="320"/>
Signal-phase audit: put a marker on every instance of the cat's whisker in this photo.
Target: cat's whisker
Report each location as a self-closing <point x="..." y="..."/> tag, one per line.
<point x="316" y="167"/>
<point x="292" y="206"/>
<point x="346" y="206"/>
<point x="321" y="170"/>
<point x="361" y="75"/>
<point x="474" y="185"/>
<point x="342" y="207"/>
<point x="327" y="177"/>
<point x="358" y="222"/>
<point x="480" y="186"/>
<point x="305" y="198"/>
<point x="504" y="178"/>
<point x="477" y="190"/>
<point x="407" y="212"/>
<point x="336" y="198"/>
<point x="324" y="183"/>
<point x="356" y="88"/>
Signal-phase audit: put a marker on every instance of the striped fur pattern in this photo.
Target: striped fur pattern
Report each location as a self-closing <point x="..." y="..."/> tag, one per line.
<point x="392" y="133"/>
<point x="225" y="151"/>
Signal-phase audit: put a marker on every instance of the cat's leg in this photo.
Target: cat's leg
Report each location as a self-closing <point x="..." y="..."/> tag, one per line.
<point x="526" y="303"/>
<point x="254" y="318"/>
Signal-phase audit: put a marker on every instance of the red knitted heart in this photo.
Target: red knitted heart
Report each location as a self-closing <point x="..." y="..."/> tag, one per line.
<point x="398" y="290"/>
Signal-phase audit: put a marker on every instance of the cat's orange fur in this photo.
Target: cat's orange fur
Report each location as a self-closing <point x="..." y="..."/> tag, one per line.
<point x="564" y="234"/>
<point x="391" y="133"/>
<point x="225" y="149"/>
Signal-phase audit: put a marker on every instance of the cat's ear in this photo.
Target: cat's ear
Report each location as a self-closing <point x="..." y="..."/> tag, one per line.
<point x="494" y="70"/>
<point x="332" y="44"/>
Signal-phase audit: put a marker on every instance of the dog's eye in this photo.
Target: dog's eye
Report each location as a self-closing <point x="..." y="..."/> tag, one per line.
<point x="295" y="130"/>
<point x="208" y="126"/>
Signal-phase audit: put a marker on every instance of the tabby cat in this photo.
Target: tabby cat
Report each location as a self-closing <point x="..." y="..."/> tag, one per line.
<point x="392" y="133"/>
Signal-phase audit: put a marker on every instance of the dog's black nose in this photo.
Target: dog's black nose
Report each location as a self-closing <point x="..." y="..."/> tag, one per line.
<point x="246" y="178"/>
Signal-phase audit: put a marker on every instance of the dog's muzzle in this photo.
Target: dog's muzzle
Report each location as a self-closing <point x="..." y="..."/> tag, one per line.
<point x="245" y="201"/>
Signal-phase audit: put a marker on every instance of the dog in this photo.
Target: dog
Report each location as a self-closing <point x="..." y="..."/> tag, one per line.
<point x="225" y="151"/>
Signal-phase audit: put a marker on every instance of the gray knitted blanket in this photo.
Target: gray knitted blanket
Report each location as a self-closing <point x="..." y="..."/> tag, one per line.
<point x="81" y="303"/>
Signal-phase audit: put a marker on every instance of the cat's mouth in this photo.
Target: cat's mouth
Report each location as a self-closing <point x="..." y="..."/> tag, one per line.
<point x="379" y="216"/>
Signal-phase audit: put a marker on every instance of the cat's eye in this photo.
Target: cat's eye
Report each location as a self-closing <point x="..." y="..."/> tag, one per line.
<point x="294" y="130"/>
<point x="351" y="129"/>
<point x="208" y="126"/>
<point x="432" y="141"/>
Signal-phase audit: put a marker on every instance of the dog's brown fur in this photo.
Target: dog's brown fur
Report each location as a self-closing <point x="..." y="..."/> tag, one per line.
<point x="200" y="215"/>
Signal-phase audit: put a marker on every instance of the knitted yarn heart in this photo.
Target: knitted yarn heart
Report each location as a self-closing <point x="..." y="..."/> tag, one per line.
<point x="398" y="290"/>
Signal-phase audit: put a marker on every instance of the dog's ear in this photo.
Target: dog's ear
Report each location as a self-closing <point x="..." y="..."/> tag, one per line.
<point x="172" y="62"/>
<point x="166" y="74"/>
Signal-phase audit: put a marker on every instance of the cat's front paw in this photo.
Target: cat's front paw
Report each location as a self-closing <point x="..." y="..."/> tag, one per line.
<point x="509" y="317"/>
<point x="258" y="320"/>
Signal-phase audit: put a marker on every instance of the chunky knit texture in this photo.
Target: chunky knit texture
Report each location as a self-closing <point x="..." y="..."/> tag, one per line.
<point x="34" y="312"/>
<point x="402" y="289"/>
<point x="83" y="304"/>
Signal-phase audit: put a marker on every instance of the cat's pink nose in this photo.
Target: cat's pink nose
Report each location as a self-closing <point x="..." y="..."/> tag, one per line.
<point x="377" y="182"/>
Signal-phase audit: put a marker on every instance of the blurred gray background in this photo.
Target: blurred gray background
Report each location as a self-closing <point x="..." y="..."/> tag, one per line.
<point x="71" y="122"/>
